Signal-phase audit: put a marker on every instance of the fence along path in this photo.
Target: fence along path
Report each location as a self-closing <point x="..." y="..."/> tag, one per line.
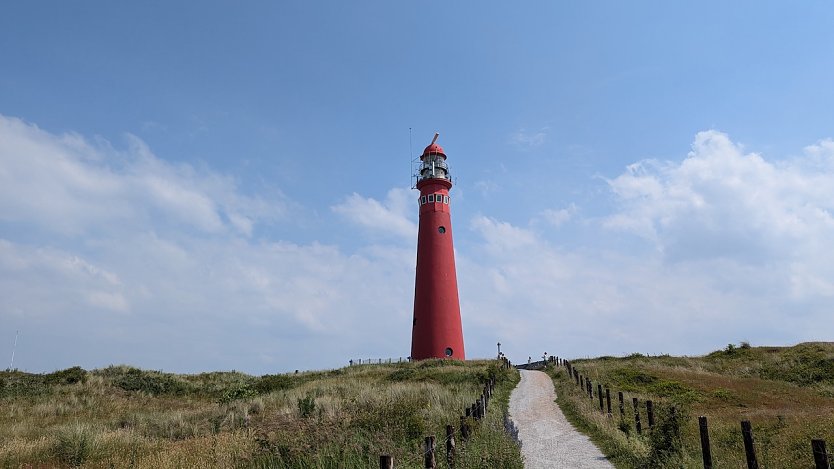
<point x="547" y="439"/>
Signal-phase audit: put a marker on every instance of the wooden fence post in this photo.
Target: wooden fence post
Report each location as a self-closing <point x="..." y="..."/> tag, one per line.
<point x="450" y="446"/>
<point x="429" y="460"/>
<point x="464" y="428"/>
<point x="590" y="389"/>
<point x="599" y="394"/>
<point x="637" y="425"/>
<point x="706" y="451"/>
<point x="386" y="462"/>
<point x="820" y="454"/>
<point x="622" y="404"/>
<point x="608" y="400"/>
<point x="749" y="447"/>
<point x="650" y="413"/>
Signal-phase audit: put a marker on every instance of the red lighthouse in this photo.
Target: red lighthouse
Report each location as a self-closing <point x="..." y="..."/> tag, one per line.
<point x="437" y="331"/>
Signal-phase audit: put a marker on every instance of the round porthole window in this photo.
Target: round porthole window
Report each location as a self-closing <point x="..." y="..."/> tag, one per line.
<point x="448" y="351"/>
<point x="441" y="229"/>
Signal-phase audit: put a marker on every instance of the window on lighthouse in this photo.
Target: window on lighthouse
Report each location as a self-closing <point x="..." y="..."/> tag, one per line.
<point x="431" y="198"/>
<point x="446" y="199"/>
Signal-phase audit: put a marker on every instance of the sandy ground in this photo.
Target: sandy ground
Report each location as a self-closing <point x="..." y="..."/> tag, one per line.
<point x="547" y="439"/>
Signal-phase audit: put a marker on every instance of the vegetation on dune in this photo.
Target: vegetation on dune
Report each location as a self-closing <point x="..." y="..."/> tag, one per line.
<point x="786" y="393"/>
<point x="122" y="416"/>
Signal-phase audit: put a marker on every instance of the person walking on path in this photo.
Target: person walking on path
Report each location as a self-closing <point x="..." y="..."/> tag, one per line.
<point x="547" y="439"/>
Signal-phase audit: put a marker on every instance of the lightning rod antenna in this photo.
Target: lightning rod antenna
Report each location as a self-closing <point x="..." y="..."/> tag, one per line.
<point x="14" y="348"/>
<point x="410" y="160"/>
<point x="436" y="134"/>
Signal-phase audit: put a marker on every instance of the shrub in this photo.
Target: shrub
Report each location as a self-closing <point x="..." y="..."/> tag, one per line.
<point x="72" y="375"/>
<point x="236" y="393"/>
<point x="631" y="378"/>
<point x="723" y="394"/>
<point x="673" y="389"/>
<point x="665" y="442"/>
<point x="437" y="362"/>
<point x="306" y="405"/>
<point x="18" y="383"/>
<point x="74" y="445"/>
<point x="270" y="383"/>
<point x="403" y="374"/>
<point x="401" y="420"/>
<point x="151" y="382"/>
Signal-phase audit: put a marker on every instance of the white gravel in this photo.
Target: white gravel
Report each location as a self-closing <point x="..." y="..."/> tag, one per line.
<point x="547" y="439"/>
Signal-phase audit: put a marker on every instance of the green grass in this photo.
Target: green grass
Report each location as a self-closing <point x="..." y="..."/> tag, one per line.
<point x="126" y="417"/>
<point x="786" y="393"/>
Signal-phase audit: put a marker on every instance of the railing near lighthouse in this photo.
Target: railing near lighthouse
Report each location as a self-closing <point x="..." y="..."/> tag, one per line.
<point x="377" y="361"/>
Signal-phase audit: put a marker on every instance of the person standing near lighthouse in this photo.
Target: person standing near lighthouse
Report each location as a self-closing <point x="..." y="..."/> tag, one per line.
<point x="436" y="329"/>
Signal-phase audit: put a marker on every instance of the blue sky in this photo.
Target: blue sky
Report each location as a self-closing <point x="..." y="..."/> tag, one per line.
<point x="197" y="186"/>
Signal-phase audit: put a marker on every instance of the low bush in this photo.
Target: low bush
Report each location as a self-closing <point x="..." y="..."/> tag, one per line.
<point x="72" y="375"/>
<point x="269" y="383"/>
<point x="236" y="393"/>
<point x="151" y="382"/>
<point x="665" y="440"/>
<point x="20" y="384"/>
<point x="630" y="378"/>
<point x="74" y="445"/>
<point x="306" y="405"/>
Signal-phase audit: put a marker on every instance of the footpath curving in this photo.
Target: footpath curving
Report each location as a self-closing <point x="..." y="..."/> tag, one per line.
<point x="547" y="439"/>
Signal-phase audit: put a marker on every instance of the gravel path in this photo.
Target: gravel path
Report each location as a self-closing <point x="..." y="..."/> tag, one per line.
<point x="547" y="439"/>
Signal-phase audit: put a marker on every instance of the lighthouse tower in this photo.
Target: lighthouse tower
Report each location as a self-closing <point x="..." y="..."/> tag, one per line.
<point x="437" y="331"/>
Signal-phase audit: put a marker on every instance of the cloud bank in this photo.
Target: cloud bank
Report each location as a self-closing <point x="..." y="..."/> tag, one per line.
<point x="111" y="255"/>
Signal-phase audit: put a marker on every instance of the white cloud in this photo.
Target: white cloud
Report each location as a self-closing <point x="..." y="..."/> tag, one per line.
<point x="559" y="217"/>
<point x="528" y="139"/>
<point x="502" y="237"/>
<point x="741" y="252"/>
<point x="391" y="216"/>
<point x="66" y="184"/>
<point x="486" y="187"/>
<point x="121" y="256"/>
<point x="118" y="256"/>
<point x="721" y="202"/>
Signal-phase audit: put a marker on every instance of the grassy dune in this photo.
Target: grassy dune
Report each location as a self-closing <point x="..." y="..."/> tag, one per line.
<point x="126" y="417"/>
<point x="786" y="392"/>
